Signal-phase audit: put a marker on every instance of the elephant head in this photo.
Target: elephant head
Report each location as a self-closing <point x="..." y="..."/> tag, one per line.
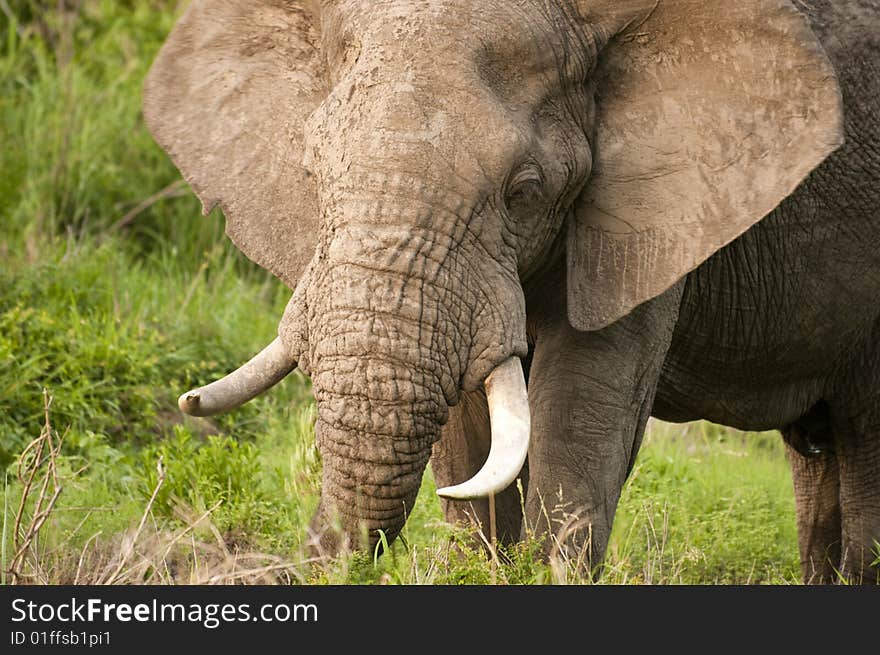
<point x="406" y="166"/>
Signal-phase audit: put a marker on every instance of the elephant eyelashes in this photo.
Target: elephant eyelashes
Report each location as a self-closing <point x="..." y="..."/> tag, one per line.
<point x="524" y="189"/>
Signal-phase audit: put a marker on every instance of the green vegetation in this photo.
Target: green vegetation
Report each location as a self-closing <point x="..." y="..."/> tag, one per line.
<point x="115" y="295"/>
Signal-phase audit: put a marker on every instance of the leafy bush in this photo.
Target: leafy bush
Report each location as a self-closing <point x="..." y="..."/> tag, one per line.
<point x="115" y="345"/>
<point x="219" y="474"/>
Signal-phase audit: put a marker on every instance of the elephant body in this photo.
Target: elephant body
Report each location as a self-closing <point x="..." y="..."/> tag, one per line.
<point x="779" y="330"/>
<point x="449" y="187"/>
<point x="786" y="315"/>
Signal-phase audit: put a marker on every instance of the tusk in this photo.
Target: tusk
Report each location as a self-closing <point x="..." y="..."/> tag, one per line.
<point x="266" y="369"/>
<point x="509" y="415"/>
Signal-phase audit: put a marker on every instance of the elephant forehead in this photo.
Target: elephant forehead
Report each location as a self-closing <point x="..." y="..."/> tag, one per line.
<point x="517" y="32"/>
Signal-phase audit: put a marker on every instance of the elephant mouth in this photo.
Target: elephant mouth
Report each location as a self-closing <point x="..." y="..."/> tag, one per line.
<point x="505" y="391"/>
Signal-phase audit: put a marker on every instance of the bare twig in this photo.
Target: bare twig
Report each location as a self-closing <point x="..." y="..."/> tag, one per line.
<point x="129" y="548"/>
<point x="5" y="523"/>
<point x="41" y="454"/>
<point x="174" y="190"/>
<point x="82" y="556"/>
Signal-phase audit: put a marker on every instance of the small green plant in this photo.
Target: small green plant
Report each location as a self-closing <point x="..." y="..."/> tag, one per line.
<point x="218" y="471"/>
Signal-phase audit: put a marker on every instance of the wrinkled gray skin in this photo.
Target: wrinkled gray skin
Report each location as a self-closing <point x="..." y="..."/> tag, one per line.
<point x="444" y="205"/>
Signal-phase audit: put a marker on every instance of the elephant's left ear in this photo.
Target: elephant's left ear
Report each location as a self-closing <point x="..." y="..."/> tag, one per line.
<point x="227" y="98"/>
<point x="709" y="113"/>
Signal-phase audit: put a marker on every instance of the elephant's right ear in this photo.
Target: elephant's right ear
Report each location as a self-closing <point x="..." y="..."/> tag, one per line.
<point x="227" y="98"/>
<point x="709" y="113"/>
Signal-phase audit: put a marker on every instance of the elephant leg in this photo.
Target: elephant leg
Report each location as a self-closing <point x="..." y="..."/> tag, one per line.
<point x="591" y="394"/>
<point x="816" y="483"/>
<point x="458" y="455"/>
<point x="856" y="413"/>
<point x="858" y="451"/>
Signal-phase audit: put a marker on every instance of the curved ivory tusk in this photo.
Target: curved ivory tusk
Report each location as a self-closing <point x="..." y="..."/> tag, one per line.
<point x="509" y="415"/>
<point x="266" y="369"/>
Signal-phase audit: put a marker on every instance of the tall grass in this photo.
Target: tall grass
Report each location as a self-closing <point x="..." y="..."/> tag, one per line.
<point x="116" y="295"/>
<point x="76" y="157"/>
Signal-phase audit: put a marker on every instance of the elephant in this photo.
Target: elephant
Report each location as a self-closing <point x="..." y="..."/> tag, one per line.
<point x="516" y="229"/>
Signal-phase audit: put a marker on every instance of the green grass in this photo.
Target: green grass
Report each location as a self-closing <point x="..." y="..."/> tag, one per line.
<point x="116" y="295"/>
<point x="709" y="505"/>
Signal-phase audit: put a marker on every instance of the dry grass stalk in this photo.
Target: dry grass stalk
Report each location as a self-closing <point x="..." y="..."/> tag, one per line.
<point x="149" y="554"/>
<point x="145" y="554"/>
<point x="129" y="549"/>
<point x="176" y="189"/>
<point x="38" y="474"/>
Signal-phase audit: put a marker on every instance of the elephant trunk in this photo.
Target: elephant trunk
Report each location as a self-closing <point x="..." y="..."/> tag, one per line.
<point x="384" y="368"/>
<point x="370" y="480"/>
<point x="377" y="419"/>
<point x="411" y="301"/>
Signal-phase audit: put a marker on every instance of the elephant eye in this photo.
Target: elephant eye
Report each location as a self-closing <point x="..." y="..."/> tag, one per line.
<point x="524" y="188"/>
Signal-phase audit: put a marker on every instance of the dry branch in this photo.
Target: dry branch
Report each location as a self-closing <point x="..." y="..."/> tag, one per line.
<point x="40" y="457"/>
<point x="174" y="190"/>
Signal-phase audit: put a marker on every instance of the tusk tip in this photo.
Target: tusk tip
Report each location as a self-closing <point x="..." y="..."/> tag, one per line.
<point x="189" y="403"/>
<point x="448" y="492"/>
<point x="459" y="492"/>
